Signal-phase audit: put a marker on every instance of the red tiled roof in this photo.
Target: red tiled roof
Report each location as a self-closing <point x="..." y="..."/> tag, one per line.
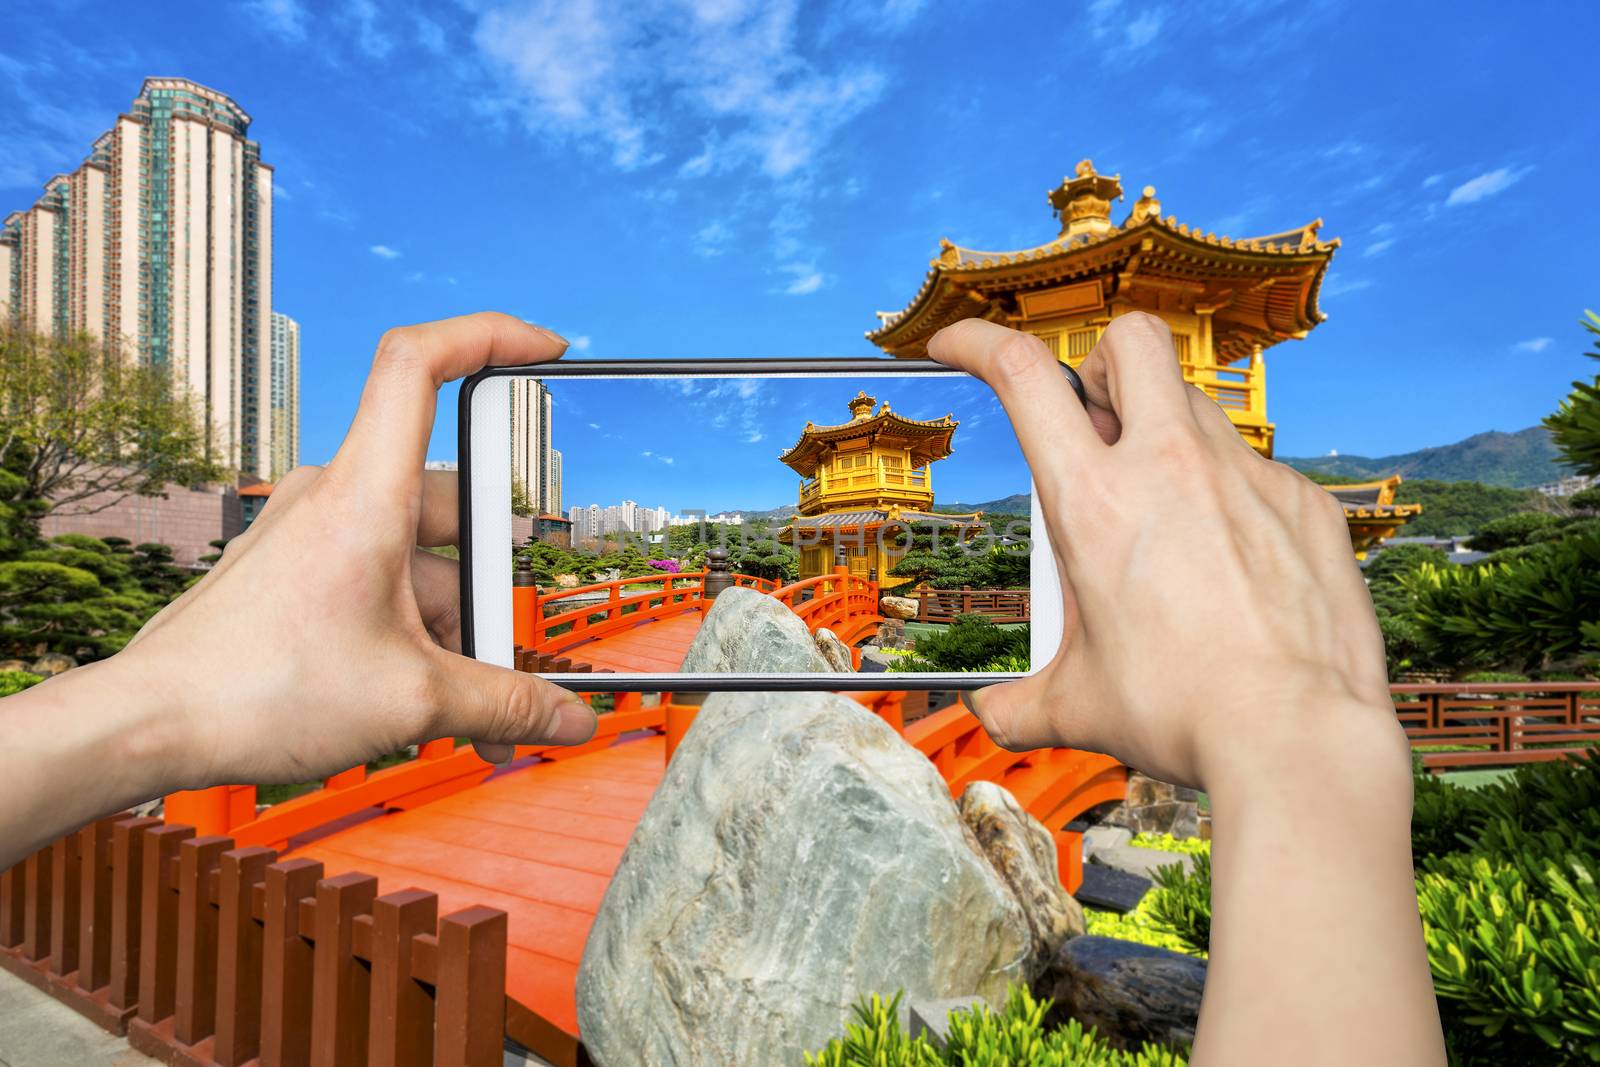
<point x="259" y="489"/>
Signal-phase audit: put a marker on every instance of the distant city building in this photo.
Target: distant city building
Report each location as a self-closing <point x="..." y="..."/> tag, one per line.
<point x="1572" y="483"/>
<point x="532" y="456"/>
<point x="555" y="482"/>
<point x="594" y="521"/>
<point x="440" y="465"/>
<point x="285" y="396"/>
<point x="162" y="241"/>
<point x="252" y="499"/>
<point x="554" y="530"/>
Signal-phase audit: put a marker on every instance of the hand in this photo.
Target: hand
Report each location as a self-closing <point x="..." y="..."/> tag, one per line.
<point x="325" y="637"/>
<point x="1212" y="604"/>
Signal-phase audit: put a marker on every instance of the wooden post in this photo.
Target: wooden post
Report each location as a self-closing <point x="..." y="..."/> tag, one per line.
<point x="127" y="909"/>
<point x="678" y="718"/>
<point x="401" y="1020"/>
<point x="469" y="1025"/>
<point x="524" y="607"/>
<point x="94" y="904"/>
<point x="966" y="599"/>
<point x="65" y="900"/>
<point x="287" y="964"/>
<point x="36" y="920"/>
<point x="239" y="956"/>
<point x="204" y="809"/>
<point x="158" y="924"/>
<point x="13" y="905"/>
<point x="345" y="779"/>
<point x="341" y="985"/>
<point x="195" y="1001"/>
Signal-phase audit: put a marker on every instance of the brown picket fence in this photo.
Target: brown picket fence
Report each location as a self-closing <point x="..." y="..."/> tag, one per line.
<point x="207" y="955"/>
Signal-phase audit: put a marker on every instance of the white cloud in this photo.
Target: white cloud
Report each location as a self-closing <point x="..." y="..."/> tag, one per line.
<point x="280" y="192"/>
<point x="752" y="436"/>
<point x="1121" y="30"/>
<point x="1337" y="285"/>
<point x="712" y="238"/>
<point x="594" y="426"/>
<point x="1431" y="180"/>
<point x="665" y="459"/>
<point x="1378" y="248"/>
<point x="414" y="276"/>
<point x="580" y="342"/>
<point x="372" y="38"/>
<point x="647" y="452"/>
<point x="632" y="79"/>
<point x="804" y="284"/>
<point x="1485" y="186"/>
<point x="384" y="252"/>
<point x="286" y="18"/>
<point x="1534" y="344"/>
<point x="430" y="35"/>
<point x="1142" y="30"/>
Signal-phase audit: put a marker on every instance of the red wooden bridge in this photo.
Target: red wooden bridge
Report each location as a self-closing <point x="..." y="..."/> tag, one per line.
<point x="646" y="624"/>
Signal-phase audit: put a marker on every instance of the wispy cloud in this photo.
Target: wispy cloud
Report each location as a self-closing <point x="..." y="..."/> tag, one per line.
<point x="285" y="18"/>
<point x="371" y="36"/>
<point x="281" y="192"/>
<point x="1486" y="185"/>
<point x="1338" y="285"/>
<point x="712" y="238"/>
<point x="634" y="79"/>
<point x="1378" y="248"/>
<point x="384" y="252"/>
<point x="414" y="276"/>
<point x="1534" y="344"/>
<point x="807" y="279"/>
<point x="580" y="342"/>
<point x="1119" y="30"/>
<point x="594" y="426"/>
<point x="1431" y="180"/>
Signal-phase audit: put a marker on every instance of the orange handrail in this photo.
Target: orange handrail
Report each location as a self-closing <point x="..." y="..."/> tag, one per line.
<point x="678" y="593"/>
<point x="842" y="602"/>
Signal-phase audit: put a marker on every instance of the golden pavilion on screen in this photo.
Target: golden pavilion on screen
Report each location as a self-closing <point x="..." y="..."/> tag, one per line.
<point x="860" y="476"/>
<point x="1226" y="301"/>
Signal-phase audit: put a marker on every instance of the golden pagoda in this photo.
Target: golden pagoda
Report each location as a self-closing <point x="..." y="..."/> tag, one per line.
<point x="1226" y="301"/>
<point x="861" y="476"/>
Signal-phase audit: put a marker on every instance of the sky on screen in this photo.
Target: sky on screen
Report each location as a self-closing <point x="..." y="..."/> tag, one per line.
<point x="719" y="451"/>
<point x="718" y="178"/>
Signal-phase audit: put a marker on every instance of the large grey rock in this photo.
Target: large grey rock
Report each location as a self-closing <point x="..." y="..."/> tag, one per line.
<point x="898" y="607"/>
<point x="747" y="632"/>
<point x="1024" y="854"/>
<point x="797" y="855"/>
<point x="1096" y="838"/>
<point x="835" y="651"/>
<point x="1131" y="993"/>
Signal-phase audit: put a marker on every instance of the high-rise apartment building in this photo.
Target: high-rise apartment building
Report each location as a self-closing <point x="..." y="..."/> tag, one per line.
<point x="161" y="241"/>
<point x="284" y="400"/>
<point x="532" y="457"/>
<point x="555" y="483"/>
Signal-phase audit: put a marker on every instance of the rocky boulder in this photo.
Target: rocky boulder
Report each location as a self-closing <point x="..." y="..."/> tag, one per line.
<point x="1157" y="807"/>
<point x="1024" y="854"/>
<point x="565" y="581"/>
<point x="797" y="855"/>
<point x="16" y="665"/>
<point x="747" y="632"/>
<point x="1131" y="993"/>
<point x="835" y="651"/>
<point x="898" y="607"/>
<point x="52" y="663"/>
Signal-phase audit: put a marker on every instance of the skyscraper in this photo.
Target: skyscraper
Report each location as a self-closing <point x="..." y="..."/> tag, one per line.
<point x="162" y="241"/>
<point x="285" y="396"/>
<point x="532" y="457"/>
<point x="555" y="483"/>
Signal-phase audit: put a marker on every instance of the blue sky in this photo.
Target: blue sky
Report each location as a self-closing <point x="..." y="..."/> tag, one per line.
<point x="714" y="178"/>
<point x="719" y="450"/>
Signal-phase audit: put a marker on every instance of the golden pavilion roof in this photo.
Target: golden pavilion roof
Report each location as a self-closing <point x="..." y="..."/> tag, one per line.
<point x="1262" y="289"/>
<point x="927" y="439"/>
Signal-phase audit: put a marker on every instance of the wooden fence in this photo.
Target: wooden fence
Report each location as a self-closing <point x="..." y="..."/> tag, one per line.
<point x="946" y="605"/>
<point x="1479" y="724"/>
<point x="208" y="955"/>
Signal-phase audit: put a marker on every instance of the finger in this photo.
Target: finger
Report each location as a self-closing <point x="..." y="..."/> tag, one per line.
<point x="496" y="706"/>
<point x="1043" y="408"/>
<point x="1134" y="372"/>
<point x="1016" y="714"/>
<point x="436" y="582"/>
<point x="440" y="522"/>
<point x="388" y="440"/>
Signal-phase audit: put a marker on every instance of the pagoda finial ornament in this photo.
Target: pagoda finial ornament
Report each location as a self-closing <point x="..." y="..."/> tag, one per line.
<point x="1146" y="207"/>
<point x="861" y="405"/>
<point x="1083" y="202"/>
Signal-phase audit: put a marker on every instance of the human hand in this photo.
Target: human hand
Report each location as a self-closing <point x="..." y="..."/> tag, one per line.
<point x="325" y="637"/>
<point x="1213" y="611"/>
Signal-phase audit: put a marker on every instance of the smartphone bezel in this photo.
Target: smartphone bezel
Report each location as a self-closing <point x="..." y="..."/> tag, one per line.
<point x="1047" y="623"/>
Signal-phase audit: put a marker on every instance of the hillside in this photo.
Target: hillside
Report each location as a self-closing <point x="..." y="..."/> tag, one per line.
<point x="1510" y="460"/>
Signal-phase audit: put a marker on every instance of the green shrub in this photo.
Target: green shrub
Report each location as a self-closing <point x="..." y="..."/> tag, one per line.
<point x="1181" y="902"/>
<point x="16" y="681"/>
<point x="1189" y="846"/>
<point x="1575" y="425"/>
<point x="1511" y="531"/>
<point x="969" y="644"/>
<point x="1135" y="926"/>
<point x="1585" y="501"/>
<point x="1012" y="1037"/>
<point x="1493" y="676"/>
<point x="1444" y="817"/>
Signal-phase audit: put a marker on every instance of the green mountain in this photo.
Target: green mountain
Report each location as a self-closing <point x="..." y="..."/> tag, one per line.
<point x="1015" y="504"/>
<point x="1512" y="460"/>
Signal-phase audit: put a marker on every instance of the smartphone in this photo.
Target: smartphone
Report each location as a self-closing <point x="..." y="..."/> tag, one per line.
<point x="838" y="524"/>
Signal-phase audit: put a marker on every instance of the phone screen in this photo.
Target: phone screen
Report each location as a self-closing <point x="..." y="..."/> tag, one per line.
<point x="714" y="524"/>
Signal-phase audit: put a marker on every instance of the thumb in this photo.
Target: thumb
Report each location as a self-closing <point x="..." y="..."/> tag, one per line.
<point x="1014" y="714"/>
<point x="499" y="708"/>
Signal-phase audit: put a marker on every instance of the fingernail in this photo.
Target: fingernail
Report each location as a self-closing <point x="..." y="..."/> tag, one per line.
<point x="969" y="699"/>
<point x="575" y="723"/>
<point x="548" y="332"/>
<point x="491" y="752"/>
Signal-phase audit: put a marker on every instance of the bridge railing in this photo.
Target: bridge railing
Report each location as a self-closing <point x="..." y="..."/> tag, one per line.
<point x="1500" y="724"/>
<point x="946" y="605"/>
<point x="579" y="617"/>
<point x="840" y="601"/>
<point x="214" y="955"/>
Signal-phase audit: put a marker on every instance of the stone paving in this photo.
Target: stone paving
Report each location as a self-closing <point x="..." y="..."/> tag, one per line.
<point x="38" y="1031"/>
